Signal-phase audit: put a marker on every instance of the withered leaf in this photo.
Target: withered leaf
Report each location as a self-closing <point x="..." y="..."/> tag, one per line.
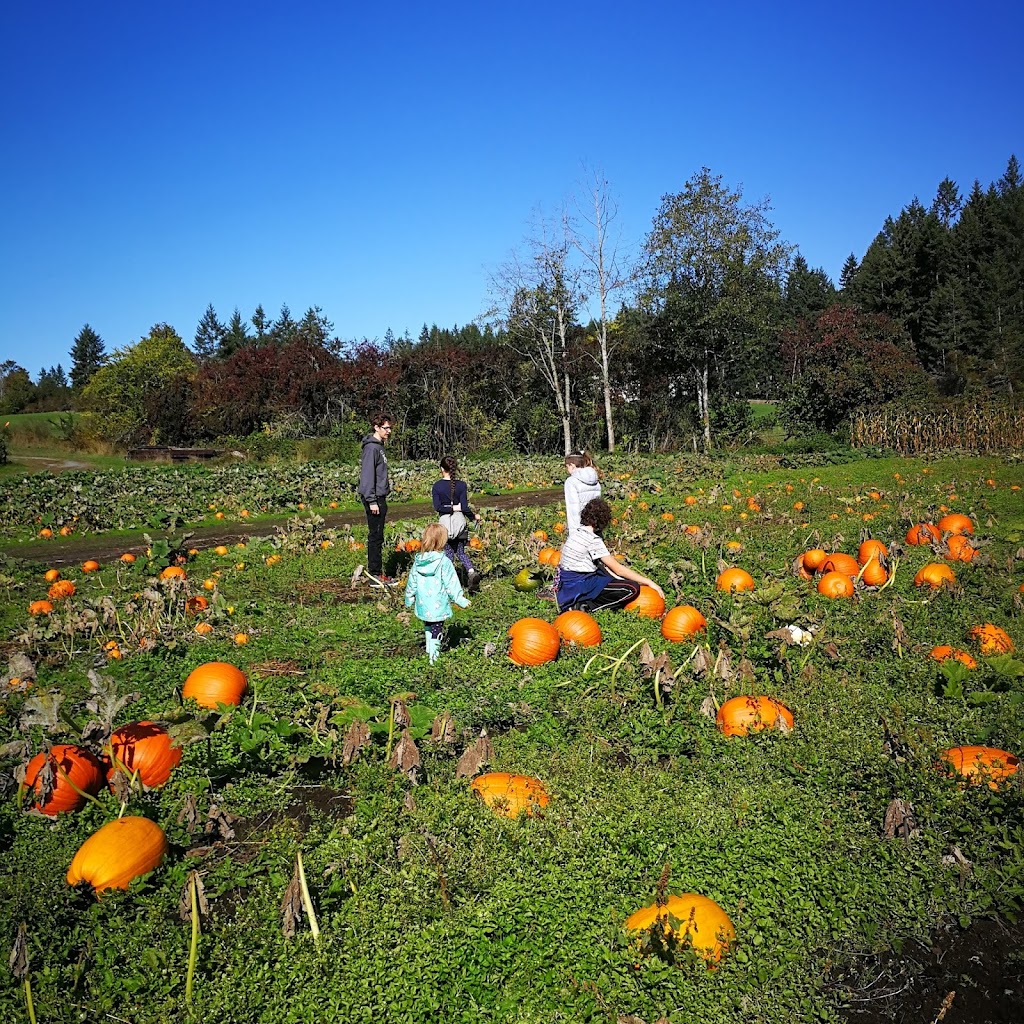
<point x="46" y="779"/>
<point x="651" y="663"/>
<point x="899" y="633"/>
<point x="832" y="651"/>
<point x="355" y="575"/>
<point x="702" y="662"/>
<point x="797" y="568"/>
<point x="746" y="670"/>
<point x="121" y="786"/>
<point x="899" y="820"/>
<point x="20" y="666"/>
<point x="723" y="665"/>
<point x="409" y="803"/>
<point x="490" y="649"/>
<point x="291" y="905"/>
<point x="782" y="725"/>
<point x="443" y="730"/>
<point x="185" y="902"/>
<point x="401" y="714"/>
<point x="475" y="757"/>
<point x="18" y="961"/>
<point x="404" y="618"/>
<point x="42" y="710"/>
<point x="406" y="756"/>
<point x="220" y="821"/>
<point x="955" y="858"/>
<point x="357" y="737"/>
<point x="709" y="707"/>
<point x="16" y="750"/>
<point x="189" y="813"/>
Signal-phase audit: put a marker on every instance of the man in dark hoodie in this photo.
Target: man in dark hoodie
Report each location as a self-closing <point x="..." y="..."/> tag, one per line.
<point x="374" y="487"/>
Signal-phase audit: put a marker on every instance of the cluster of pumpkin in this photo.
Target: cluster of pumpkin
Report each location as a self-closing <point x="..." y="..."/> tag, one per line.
<point x="951" y="535"/>
<point x="838" y="573"/>
<point x="66" y="776"/>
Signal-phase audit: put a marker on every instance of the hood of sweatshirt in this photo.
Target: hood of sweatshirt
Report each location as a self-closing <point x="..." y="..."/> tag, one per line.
<point x="428" y="563"/>
<point x="372" y="439"/>
<point x="586" y="475"/>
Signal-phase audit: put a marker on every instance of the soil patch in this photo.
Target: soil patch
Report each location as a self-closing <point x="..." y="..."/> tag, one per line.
<point x="963" y="976"/>
<point x="57" y="552"/>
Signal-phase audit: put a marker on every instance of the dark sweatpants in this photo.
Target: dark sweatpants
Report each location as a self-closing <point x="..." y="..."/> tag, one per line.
<point x="375" y="536"/>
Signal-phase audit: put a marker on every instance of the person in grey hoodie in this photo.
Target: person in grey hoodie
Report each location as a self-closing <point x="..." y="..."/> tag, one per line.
<point x="581" y="486"/>
<point x="374" y="488"/>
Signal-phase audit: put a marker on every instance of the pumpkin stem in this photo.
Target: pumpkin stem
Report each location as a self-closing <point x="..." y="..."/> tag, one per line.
<point x="193" y="951"/>
<point x="28" y="1000"/>
<point x="85" y="796"/>
<point x="307" y="903"/>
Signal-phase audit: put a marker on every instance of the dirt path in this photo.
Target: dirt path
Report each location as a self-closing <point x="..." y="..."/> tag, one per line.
<point x="57" y="552"/>
<point x="42" y="462"/>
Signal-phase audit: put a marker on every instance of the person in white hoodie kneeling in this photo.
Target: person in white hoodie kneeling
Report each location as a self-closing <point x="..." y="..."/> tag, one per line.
<point x="581" y="486"/>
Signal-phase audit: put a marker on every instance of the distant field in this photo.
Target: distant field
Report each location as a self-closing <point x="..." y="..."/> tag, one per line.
<point x="762" y="410"/>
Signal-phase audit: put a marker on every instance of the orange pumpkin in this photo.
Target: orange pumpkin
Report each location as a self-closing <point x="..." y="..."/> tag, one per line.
<point x="956" y="523"/>
<point x="549" y="556"/>
<point x="120" y="851"/>
<point x="874" y="573"/>
<point x="476" y="543"/>
<point x="682" y="623"/>
<point x="202" y="628"/>
<point x="933" y="575"/>
<point x="740" y="715"/>
<point x="413" y="544"/>
<point x="172" y="572"/>
<point x="534" y="642"/>
<point x="215" y="683"/>
<point x="835" y="585"/>
<point x="511" y="795"/>
<point x="992" y="639"/>
<point x="37" y="608"/>
<point x="128" y="558"/>
<point x="90" y="566"/>
<point x="871" y="548"/>
<point x="982" y="764"/>
<point x="923" y="533"/>
<point x="814" y="558"/>
<point x="839" y="562"/>
<point x="541" y="535"/>
<point x="144" y="748"/>
<point x="576" y="627"/>
<point x="960" y="548"/>
<point x="74" y="769"/>
<point x="698" y="922"/>
<point x="734" y="580"/>
<point x="648" y="604"/>
<point x="61" y="590"/>
<point x="52" y="575"/>
<point x="942" y="652"/>
<point x="197" y="604"/>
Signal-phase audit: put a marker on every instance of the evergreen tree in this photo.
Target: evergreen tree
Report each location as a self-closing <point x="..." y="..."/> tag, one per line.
<point x="88" y="354"/>
<point x="314" y="327"/>
<point x="947" y="203"/>
<point x="209" y="335"/>
<point x="284" y="328"/>
<point x="262" y="323"/>
<point x="848" y="273"/>
<point x="807" y="292"/>
<point x="235" y="335"/>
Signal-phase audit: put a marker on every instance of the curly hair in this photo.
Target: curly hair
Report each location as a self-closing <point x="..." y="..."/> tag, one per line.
<point x="596" y="513"/>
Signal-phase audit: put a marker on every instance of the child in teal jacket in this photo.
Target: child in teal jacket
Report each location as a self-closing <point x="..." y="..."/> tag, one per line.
<point x="433" y="587"/>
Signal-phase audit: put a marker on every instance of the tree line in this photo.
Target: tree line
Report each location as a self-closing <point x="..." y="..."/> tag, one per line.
<point x="585" y="344"/>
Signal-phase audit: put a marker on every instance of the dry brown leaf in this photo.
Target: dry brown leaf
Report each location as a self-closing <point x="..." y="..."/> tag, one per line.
<point x="189" y="813"/>
<point x="401" y="714"/>
<point x="709" y="707"/>
<point x="18" y="961"/>
<point x="475" y="757"/>
<point x="746" y="670"/>
<point x="406" y="756"/>
<point x="220" y="821"/>
<point x="702" y="662"/>
<point x="409" y="803"/>
<point x="723" y="665"/>
<point x="442" y="729"/>
<point x="291" y="905"/>
<point x="899" y="822"/>
<point x="185" y="902"/>
<point x="357" y="737"/>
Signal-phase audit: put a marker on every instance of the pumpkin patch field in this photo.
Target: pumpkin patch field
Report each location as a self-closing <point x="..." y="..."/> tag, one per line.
<point x="238" y="791"/>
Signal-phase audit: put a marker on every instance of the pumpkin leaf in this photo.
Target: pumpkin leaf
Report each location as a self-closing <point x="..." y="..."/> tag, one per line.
<point x="291" y="905"/>
<point x="406" y="757"/>
<point x="42" y="710"/>
<point x="189" y="813"/>
<point x="475" y="757"/>
<point x="442" y="729"/>
<point x="899" y="822"/>
<point x="220" y="821"/>
<point x="18" y="960"/>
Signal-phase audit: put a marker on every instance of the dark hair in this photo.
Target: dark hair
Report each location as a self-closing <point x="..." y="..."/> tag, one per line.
<point x="450" y="465"/>
<point x="381" y="417"/>
<point x="579" y="459"/>
<point x="596" y="513"/>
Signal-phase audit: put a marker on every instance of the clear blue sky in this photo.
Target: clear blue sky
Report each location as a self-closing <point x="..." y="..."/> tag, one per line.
<point x="379" y="163"/>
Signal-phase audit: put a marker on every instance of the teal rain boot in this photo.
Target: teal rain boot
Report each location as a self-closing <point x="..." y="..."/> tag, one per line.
<point x="433" y="648"/>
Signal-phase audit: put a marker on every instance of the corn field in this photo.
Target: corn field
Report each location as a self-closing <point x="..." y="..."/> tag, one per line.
<point x="976" y="428"/>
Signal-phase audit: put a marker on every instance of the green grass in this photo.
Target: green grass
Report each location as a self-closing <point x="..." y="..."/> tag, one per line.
<point x="430" y="906"/>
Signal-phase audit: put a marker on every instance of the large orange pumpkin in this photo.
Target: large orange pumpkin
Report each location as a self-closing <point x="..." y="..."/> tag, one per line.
<point x="74" y="769"/>
<point x="960" y="548"/>
<point x="534" y="642"/>
<point x="734" y="580"/>
<point x="933" y="575"/>
<point x="869" y="548"/>
<point x="215" y="683"/>
<point x="839" y="562"/>
<point x="740" y="715"/>
<point x="61" y="590"/>
<point x="648" y="604"/>
<point x="172" y="572"/>
<point x="689" y="918"/>
<point x="922" y="533"/>
<point x="576" y="627"/>
<point x="682" y="623"/>
<point x="956" y="523"/>
<point x="90" y="566"/>
<point x="982" y="764"/>
<point x="144" y="748"/>
<point x="119" y="852"/>
<point x="37" y="608"/>
<point x="942" y="652"/>
<point x="511" y="795"/>
<point x="992" y="639"/>
<point x="835" y="584"/>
